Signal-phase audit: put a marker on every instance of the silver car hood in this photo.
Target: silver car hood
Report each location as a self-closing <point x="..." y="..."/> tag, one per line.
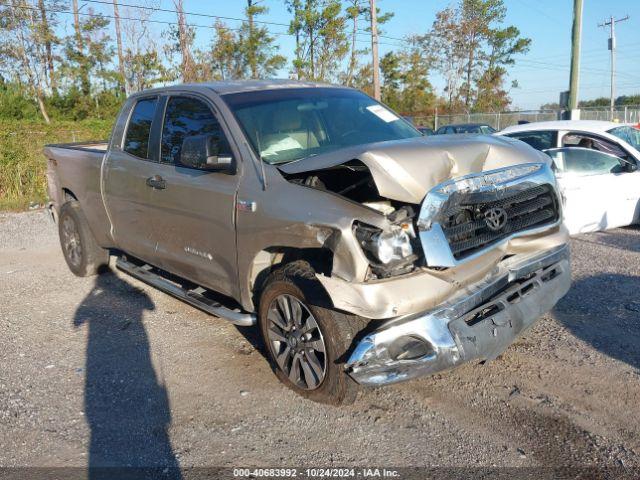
<point x="405" y="170"/>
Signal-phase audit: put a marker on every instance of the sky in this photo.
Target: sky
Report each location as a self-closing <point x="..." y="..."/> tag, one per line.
<point x="541" y="74"/>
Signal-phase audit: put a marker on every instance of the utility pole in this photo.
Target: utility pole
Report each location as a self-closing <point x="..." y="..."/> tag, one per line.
<point x="574" y="79"/>
<point x="611" y="23"/>
<point x="374" y="50"/>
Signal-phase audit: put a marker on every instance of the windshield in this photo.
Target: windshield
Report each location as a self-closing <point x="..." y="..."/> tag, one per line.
<point x="628" y="134"/>
<point x="289" y="124"/>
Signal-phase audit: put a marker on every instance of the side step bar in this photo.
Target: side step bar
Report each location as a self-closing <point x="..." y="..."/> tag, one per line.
<point x="193" y="297"/>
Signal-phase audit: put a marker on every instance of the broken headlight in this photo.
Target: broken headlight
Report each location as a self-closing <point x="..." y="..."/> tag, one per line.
<point x="390" y="252"/>
<point x="392" y="245"/>
<point x="475" y="182"/>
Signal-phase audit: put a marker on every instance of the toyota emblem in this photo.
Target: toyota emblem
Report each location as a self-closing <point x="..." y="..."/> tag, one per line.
<point x="495" y="218"/>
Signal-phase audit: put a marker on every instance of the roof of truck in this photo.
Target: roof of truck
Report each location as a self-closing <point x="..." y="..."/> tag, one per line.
<point x="238" y="86"/>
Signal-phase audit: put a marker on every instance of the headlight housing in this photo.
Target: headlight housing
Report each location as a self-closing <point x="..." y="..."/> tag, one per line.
<point x="390" y="252"/>
<point x="391" y="246"/>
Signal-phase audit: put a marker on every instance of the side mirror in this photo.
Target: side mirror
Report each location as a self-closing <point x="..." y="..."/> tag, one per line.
<point x="629" y="165"/>
<point x="203" y="152"/>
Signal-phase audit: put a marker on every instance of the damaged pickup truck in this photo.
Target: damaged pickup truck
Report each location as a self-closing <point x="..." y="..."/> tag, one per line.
<point x="365" y="252"/>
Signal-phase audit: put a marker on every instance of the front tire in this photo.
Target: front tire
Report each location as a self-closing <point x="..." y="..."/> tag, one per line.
<point x="306" y="344"/>
<point x="81" y="252"/>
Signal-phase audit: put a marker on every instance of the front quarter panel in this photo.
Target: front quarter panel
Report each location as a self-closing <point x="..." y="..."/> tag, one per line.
<point x="294" y="216"/>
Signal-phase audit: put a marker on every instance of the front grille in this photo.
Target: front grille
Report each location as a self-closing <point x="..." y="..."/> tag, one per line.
<point x="479" y="220"/>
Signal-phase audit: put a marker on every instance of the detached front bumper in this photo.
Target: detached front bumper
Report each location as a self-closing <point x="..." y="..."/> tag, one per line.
<point x="477" y="324"/>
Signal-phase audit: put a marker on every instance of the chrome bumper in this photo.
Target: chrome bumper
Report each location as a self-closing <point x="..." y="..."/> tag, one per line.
<point x="477" y="324"/>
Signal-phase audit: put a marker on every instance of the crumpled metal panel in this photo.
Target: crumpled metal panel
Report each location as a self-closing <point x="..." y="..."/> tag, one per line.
<point x="397" y="296"/>
<point x="524" y="289"/>
<point x="406" y="170"/>
<point x="493" y="185"/>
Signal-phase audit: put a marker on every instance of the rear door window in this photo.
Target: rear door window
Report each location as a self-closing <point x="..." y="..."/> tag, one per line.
<point x="538" y="140"/>
<point x="584" y="161"/>
<point x="594" y="142"/>
<point x="184" y="117"/>
<point x="136" y="141"/>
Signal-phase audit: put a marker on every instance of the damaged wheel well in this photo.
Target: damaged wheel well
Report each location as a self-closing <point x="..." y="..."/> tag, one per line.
<point x="272" y="258"/>
<point x="68" y="195"/>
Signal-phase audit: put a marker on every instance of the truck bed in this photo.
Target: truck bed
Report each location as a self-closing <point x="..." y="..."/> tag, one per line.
<point x="93" y="146"/>
<point x="74" y="170"/>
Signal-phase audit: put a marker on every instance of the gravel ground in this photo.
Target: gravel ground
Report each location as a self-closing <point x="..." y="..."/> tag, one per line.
<point x="109" y="371"/>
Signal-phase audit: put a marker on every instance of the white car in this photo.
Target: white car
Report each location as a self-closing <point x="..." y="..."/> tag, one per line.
<point x="596" y="165"/>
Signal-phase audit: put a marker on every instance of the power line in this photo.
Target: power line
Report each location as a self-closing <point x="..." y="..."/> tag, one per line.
<point x="219" y="17"/>
<point x="534" y="63"/>
<point x="591" y="53"/>
<point x="168" y="10"/>
<point x="541" y="12"/>
<point x="160" y="22"/>
<point x="582" y="87"/>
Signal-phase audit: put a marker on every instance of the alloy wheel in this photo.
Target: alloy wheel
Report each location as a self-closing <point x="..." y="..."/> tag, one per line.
<point x="296" y="342"/>
<point x="71" y="241"/>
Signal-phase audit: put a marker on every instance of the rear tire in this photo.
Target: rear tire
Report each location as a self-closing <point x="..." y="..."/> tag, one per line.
<point x="306" y="344"/>
<point x="81" y="252"/>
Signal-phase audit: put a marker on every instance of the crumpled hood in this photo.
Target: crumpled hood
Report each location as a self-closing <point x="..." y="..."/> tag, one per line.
<point x="405" y="170"/>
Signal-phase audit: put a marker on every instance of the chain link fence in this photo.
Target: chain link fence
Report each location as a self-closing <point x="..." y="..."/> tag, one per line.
<point x="627" y="114"/>
<point x="500" y="120"/>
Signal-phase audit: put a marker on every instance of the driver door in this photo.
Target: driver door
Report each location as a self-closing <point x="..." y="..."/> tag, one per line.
<point x="599" y="191"/>
<point x="195" y="210"/>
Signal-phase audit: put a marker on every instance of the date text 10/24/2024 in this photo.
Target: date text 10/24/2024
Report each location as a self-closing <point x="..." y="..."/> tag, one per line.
<point x="315" y="473"/>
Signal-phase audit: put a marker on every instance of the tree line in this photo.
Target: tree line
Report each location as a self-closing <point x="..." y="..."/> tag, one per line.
<point x="86" y="72"/>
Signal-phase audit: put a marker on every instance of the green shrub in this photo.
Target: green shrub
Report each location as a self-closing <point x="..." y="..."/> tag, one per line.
<point x="14" y="105"/>
<point x="22" y="164"/>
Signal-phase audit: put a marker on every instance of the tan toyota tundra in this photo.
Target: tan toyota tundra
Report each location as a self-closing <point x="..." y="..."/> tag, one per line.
<point x="366" y="253"/>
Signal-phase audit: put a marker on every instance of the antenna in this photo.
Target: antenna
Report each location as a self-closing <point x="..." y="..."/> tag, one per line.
<point x="264" y="177"/>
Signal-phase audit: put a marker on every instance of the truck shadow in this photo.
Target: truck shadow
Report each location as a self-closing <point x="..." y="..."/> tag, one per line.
<point x="126" y="407"/>
<point x="602" y="311"/>
<point x="254" y="338"/>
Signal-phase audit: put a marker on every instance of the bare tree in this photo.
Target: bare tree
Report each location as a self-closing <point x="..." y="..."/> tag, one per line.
<point x="446" y="43"/>
<point x="142" y="65"/>
<point x="470" y="42"/>
<point x="185" y="39"/>
<point x="354" y="10"/>
<point x="80" y="51"/>
<point x="22" y="52"/>
<point x="48" y="38"/>
<point x="123" y="76"/>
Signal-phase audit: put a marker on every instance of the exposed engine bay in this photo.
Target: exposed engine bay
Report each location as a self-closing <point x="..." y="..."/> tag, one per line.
<point x="391" y="252"/>
<point x="395" y="180"/>
<point x="352" y="180"/>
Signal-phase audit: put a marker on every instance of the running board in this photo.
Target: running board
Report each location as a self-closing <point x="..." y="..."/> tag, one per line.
<point x="193" y="297"/>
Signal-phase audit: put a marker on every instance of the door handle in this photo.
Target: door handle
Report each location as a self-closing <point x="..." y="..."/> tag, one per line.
<point x="156" y="182"/>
